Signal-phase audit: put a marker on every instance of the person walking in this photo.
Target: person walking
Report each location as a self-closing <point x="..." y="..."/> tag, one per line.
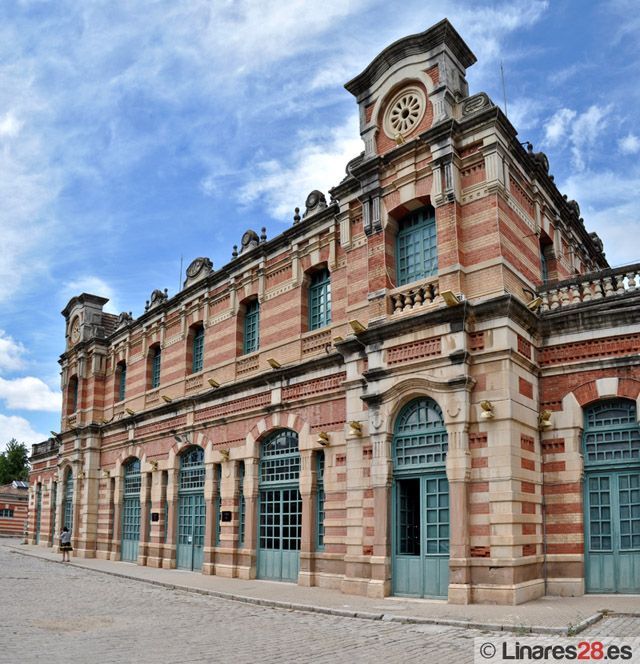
<point x="65" y="545"/>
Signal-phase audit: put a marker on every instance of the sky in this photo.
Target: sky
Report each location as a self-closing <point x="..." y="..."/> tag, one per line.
<point x="136" y="134"/>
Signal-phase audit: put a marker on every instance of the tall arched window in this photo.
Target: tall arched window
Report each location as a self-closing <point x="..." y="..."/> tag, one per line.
<point x="197" y="349"/>
<point x="191" y="509"/>
<point x="319" y="299"/>
<point x="417" y="246"/>
<point x="67" y="506"/>
<point x="121" y="380"/>
<point x="251" y="331"/>
<point x="131" y="510"/>
<point x="72" y="395"/>
<point x="155" y="358"/>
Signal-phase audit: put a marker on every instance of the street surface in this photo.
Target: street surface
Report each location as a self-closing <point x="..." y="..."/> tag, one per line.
<point x="57" y="613"/>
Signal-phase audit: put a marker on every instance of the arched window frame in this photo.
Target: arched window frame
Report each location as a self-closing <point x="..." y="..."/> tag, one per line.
<point x="251" y="327"/>
<point x="121" y="381"/>
<point x="155" y="365"/>
<point x="319" y="298"/>
<point x="72" y="394"/>
<point x="611" y="433"/>
<point x="196" y="347"/>
<point x="417" y="246"/>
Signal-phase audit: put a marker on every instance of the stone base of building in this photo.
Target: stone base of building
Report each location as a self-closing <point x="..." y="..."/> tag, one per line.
<point x="507" y="595"/>
<point x="565" y="587"/>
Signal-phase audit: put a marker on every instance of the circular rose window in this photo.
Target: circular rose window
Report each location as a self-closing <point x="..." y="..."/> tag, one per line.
<point x="404" y="112"/>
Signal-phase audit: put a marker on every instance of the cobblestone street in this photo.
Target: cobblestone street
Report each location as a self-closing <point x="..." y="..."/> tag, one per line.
<point x="57" y="613"/>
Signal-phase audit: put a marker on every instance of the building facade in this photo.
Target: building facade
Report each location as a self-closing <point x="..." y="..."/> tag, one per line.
<point x="14" y="501"/>
<point x="425" y="387"/>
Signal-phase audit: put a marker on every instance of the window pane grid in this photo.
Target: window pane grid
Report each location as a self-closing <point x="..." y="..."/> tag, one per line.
<point x="611" y="433"/>
<point x="320" y="501"/>
<point x="198" y="350"/>
<point x="252" y="327"/>
<point x="320" y="300"/>
<point x="132" y="478"/>
<point x="217" y="504"/>
<point x="420" y="438"/>
<point x="131" y="519"/>
<point x="192" y="470"/>
<point x="155" y="369"/>
<point x="241" y="505"/>
<point x="629" y="501"/>
<point x="417" y="247"/>
<point x="599" y="514"/>
<point x="437" y="515"/>
<point x="122" y="381"/>
<point x="68" y="502"/>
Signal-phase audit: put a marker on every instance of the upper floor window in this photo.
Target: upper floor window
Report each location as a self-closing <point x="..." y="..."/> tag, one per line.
<point x="156" y="355"/>
<point x="73" y="395"/>
<point x="319" y="299"/>
<point x="121" y="380"/>
<point x="417" y="246"/>
<point x="251" y="336"/>
<point x="546" y="257"/>
<point x="197" y="349"/>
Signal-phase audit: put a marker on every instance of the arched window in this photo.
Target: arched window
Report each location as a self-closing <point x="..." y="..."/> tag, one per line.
<point x="67" y="507"/>
<point x="155" y="357"/>
<point x="72" y="395"/>
<point x="121" y="380"/>
<point x="320" y="299"/>
<point x="251" y="328"/>
<point x="417" y="246"/>
<point x="197" y="349"/>
<point x="191" y="510"/>
<point x="611" y="433"/>
<point x="420" y="438"/>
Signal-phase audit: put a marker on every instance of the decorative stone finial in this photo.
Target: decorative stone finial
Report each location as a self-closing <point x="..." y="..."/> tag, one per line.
<point x="263" y="234"/>
<point x="234" y="253"/>
<point x="296" y="216"/>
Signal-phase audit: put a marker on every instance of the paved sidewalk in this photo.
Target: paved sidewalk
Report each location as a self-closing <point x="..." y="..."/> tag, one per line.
<point x="547" y="615"/>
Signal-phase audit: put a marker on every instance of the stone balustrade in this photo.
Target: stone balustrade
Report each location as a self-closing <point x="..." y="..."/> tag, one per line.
<point x="589" y="287"/>
<point x="413" y="297"/>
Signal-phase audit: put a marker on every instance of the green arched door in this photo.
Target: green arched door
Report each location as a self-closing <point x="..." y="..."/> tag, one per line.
<point x="611" y="448"/>
<point x="280" y="522"/>
<point x="131" y="511"/>
<point x="191" y="510"/>
<point x="420" y="560"/>
<point x="67" y="507"/>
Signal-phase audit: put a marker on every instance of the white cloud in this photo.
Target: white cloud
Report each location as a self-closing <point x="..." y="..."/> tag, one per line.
<point x="557" y="127"/>
<point x="11" y="353"/>
<point x="320" y="165"/>
<point x="579" y="130"/>
<point x="94" y="286"/>
<point x="630" y="144"/>
<point x="9" y="125"/>
<point x="12" y="426"/>
<point x="29" y="393"/>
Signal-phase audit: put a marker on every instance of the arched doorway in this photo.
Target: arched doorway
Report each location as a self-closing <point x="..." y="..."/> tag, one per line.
<point x="611" y="448"/>
<point x="131" y="511"/>
<point x="67" y="506"/>
<point x="191" y="510"/>
<point x="420" y="560"/>
<point x="280" y="505"/>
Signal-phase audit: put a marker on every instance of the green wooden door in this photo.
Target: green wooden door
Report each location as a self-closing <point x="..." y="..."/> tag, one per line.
<point x="280" y="508"/>
<point x="67" y="507"/>
<point x="38" y="511"/>
<point x="612" y="497"/>
<point x="612" y="561"/>
<point x="191" y="510"/>
<point x="420" y="539"/>
<point x="131" y="511"/>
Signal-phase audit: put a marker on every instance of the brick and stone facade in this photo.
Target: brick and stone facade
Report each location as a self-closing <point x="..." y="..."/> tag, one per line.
<point x="521" y="326"/>
<point x="14" y="507"/>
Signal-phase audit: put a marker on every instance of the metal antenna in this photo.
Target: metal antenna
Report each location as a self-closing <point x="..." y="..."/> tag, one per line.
<point x="504" y="90"/>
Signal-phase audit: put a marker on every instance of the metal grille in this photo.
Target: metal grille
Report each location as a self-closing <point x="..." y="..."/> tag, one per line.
<point x="198" y="350"/>
<point x="280" y="459"/>
<point x="611" y="434"/>
<point x="241" y="504"/>
<point x="420" y="438"/>
<point x="320" y="300"/>
<point x="122" y="380"/>
<point x="132" y="478"/>
<point x="409" y="517"/>
<point x="437" y="515"/>
<point x="68" y="501"/>
<point x="280" y="519"/>
<point x="252" y="327"/>
<point x="131" y="519"/>
<point x="599" y="514"/>
<point x="629" y="500"/>
<point x="192" y="469"/>
<point x="191" y="519"/>
<point x="320" y="501"/>
<point x="155" y="367"/>
<point x="216" y="514"/>
<point x="417" y="247"/>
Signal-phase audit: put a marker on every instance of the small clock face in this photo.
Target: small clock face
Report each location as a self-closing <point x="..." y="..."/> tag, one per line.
<point x="246" y="238"/>
<point x="75" y="330"/>
<point x="312" y="199"/>
<point x="195" y="267"/>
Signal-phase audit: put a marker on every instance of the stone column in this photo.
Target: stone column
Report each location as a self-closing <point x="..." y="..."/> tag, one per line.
<point x="116" y="542"/>
<point x="247" y="568"/>
<point x="145" y="530"/>
<point x="307" y="493"/>
<point x="381" y="482"/>
<point x="210" y="491"/>
<point x="154" y="552"/>
<point x="169" y="559"/>
<point x="86" y="507"/>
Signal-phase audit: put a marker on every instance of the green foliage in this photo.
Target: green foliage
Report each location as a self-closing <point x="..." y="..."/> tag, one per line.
<point x="14" y="462"/>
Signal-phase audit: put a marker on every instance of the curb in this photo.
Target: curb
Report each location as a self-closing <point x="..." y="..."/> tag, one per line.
<point x="343" y="613"/>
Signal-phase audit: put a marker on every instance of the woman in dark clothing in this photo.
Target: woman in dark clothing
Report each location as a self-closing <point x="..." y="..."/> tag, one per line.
<point x="65" y="545"/>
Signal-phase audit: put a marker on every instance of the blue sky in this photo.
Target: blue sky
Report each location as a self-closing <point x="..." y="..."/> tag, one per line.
<point x="136" y="132"/>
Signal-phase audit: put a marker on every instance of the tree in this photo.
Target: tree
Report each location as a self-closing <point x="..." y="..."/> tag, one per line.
<point x="14" y="462"/>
